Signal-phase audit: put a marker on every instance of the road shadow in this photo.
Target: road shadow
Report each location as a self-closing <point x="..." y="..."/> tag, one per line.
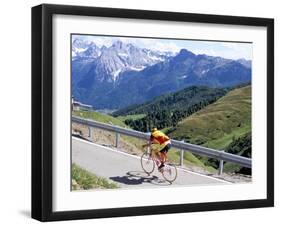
<point x="138" y="178"/>
<point x="79" y="136"/>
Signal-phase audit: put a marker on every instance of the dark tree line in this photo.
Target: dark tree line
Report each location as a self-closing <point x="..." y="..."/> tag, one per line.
<point x="157" y="117"/>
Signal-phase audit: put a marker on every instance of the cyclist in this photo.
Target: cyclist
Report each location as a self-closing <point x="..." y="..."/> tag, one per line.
<point x="158" y="137"/>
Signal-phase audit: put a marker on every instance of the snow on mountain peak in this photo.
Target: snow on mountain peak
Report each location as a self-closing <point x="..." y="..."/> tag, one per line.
<point x="111" y="61"/>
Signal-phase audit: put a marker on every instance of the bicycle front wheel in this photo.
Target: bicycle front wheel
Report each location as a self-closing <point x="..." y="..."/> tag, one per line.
<point x="170" y="173"/>
<point x="147" y="163"/>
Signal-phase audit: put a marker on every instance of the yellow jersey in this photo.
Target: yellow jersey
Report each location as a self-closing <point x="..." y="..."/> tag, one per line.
<point x="160" y="137"/>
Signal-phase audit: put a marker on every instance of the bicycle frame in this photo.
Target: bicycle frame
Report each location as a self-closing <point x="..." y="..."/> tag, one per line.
<point x="155" y="155"/>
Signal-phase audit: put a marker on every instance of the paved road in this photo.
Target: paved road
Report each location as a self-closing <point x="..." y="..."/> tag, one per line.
<point x="125" y="169"/>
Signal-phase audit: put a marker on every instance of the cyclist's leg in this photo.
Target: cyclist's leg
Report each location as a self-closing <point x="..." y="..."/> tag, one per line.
<point x="157" y="156"/>
<point x="154" y="154"/>
<point x="162" y="156"/>
<point x="163" y="153"/>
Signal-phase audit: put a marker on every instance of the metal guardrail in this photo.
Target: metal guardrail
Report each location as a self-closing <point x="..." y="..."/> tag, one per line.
<point x="196" y="149"/>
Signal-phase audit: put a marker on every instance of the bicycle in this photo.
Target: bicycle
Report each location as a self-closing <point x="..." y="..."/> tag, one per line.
<point x="148" y="161"/>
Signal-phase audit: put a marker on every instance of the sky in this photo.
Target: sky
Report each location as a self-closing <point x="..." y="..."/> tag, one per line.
<point x="230" y="50"/>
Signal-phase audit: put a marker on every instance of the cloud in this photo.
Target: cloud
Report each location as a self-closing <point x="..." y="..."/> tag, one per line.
<point x="161" y="45"/>
<point x="154" y="44"/>
<point x="169" y="46"/>
<point x="209" y="52"/>
<point x="238" y="50"/>
<point x="100" y="41"/>
<point x="224" y="49"/>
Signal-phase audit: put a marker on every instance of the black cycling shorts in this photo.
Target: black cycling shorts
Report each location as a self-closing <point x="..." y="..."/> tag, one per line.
<point x="166" y="149"/>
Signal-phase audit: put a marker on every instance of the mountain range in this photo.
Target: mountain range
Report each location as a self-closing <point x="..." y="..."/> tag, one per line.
<point x="123" y="74"/>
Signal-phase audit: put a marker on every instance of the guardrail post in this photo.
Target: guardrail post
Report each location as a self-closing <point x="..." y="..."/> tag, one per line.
<point x="181" y="156"/>
<point x="221" y="166"/>
<point x="117" y="136"/>
<point x="90" y="134"/>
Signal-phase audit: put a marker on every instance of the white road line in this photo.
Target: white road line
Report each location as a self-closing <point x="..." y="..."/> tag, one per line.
<point x="202" y="175"/>
<point x="138" y="157"/>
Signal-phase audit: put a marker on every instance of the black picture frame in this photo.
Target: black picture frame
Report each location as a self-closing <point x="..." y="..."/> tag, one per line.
<point x="42" y="107"/>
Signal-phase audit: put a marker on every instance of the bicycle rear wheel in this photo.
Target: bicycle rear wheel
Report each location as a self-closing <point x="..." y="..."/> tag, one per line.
<point x="147" y="163"/>
<point x="170" y="173"/>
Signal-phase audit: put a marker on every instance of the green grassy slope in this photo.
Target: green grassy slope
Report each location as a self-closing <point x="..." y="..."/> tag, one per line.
<point x="132" y="117"/>
<point x="99" y="117"/>
<point x="218" y="124"/>
<point x="111" y="120"/>
<point x="83" y="180"/>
